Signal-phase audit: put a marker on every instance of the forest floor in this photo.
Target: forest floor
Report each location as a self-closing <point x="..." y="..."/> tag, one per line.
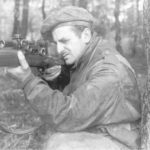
<point x="16" y="114"/>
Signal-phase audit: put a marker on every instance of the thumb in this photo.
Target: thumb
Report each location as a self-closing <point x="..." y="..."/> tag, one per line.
<point x="23" y="62"/>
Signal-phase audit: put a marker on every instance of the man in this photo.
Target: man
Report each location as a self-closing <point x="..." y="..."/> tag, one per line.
<point x="100" y="108"/>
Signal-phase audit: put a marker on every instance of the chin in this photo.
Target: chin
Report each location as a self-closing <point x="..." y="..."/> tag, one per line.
<point x="69" y="62"/>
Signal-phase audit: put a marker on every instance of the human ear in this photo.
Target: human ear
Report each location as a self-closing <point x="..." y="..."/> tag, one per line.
<point x="86" y="35"/>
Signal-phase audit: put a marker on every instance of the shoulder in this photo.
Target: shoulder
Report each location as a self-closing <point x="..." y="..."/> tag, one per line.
<point x="108" y="52"/>
<point x="108" y="59"/>
<point x="105" y="54"/>
<point x="105" y="50"/>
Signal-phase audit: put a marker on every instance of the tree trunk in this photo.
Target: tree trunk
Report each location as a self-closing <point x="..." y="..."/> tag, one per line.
<point x="43" y="9"/>
<point x="75" y="2"/>
<point x="145" y="123"/>
<point x="136" y="35"/>
<point x="66" y="3"/>
<point x="138" y="13"/>
<point x="16" y="26"/>
<point x="83" y="3"/>
<point x="24" y="26"/>
<point x="117" y="26"/>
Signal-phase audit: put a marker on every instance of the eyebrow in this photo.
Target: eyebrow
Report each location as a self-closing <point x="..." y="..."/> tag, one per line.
<point x="63" y="40"/>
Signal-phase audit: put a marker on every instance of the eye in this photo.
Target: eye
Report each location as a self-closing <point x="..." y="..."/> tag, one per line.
<point x="54" y="42"/>
<point x="64" y="41"/>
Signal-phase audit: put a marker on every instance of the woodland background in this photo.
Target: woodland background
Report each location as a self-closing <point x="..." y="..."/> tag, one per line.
<point x="119" y="21"/>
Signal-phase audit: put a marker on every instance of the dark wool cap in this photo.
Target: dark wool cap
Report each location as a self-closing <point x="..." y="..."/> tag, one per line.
<point x="70" y="15"/>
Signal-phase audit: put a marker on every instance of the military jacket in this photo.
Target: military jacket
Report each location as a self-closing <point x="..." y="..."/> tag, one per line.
<point x="102" y="96"/>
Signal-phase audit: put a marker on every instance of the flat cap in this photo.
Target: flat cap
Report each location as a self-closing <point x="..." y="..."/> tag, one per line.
<point x="66" y="15"/>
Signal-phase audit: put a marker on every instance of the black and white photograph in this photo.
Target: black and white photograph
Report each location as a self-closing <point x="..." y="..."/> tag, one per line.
<point x="74" y="75"/>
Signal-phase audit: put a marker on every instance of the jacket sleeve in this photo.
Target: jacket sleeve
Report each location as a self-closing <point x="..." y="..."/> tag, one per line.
<point x="93" y="103"/>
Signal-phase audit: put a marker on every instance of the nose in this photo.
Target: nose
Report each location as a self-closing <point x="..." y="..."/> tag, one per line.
<point x="59" y="48"/>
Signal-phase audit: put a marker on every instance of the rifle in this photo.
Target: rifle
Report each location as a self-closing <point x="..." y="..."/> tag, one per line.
<point x="9" y="58"/>
<point x="35" y="53"/>
<point x="36" y="56"/>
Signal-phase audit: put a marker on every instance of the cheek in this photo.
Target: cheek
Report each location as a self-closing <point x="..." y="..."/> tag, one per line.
<point x="77" y="51"/>
<point x="76" y="47"/>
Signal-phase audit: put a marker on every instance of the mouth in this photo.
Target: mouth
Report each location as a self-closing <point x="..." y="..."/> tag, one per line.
<point x="65" y="56"/>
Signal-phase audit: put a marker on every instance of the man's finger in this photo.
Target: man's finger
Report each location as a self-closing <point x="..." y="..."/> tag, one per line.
<point x="22" y="60"/>
<point x="11" y="71"/>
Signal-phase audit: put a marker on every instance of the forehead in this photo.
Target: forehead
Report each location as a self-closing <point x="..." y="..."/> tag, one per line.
<point x="63" y="32"/>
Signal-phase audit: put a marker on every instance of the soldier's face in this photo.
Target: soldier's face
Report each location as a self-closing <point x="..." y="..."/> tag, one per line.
<point x="69" y="45"/>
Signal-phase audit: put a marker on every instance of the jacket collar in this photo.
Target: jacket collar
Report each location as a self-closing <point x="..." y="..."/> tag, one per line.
<point x="89" y="52"/>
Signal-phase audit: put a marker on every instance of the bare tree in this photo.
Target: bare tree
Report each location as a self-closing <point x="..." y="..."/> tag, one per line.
<point x="83" y="3"/>
<point x="145" y="123"/>
<point x="117" y="25"/>
<point x="24" y="25"/>
<point x="136" y="34"/>
<point x="43" y="9"/>
<point x="16" y="26"/>
<point x="75" y="2"/>
<point x="66" y="2"/>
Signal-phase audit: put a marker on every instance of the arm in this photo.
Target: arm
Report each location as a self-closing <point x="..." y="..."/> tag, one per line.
<point x="96" y="102"/>
<point x="89" y="105"/>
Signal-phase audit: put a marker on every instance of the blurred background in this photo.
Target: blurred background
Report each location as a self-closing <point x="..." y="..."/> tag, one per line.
<point x="120" y="21"/>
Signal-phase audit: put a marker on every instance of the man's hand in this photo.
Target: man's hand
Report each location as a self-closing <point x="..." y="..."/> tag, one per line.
<point x="52" y="73"/>
<point x="21" y="72"/>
